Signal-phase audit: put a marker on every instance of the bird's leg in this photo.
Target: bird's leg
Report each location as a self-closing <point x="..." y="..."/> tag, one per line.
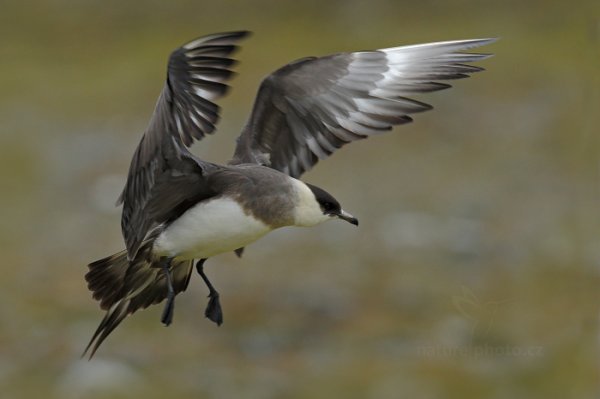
<point x="213" y="309"/>
<point x="167" y="315"/>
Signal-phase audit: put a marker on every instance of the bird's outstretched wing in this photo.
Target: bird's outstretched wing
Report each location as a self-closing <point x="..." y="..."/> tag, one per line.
<point x="311" y="107"/>
<point x="163" y="174"/>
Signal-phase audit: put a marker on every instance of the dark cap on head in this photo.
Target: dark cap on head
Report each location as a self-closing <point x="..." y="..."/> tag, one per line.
<point x="330" y="206"/>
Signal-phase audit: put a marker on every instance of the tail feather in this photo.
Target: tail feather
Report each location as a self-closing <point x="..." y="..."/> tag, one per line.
<point x="124" y="286"/>
<point x="106" y="278"/>
<point x="111" y="320"/>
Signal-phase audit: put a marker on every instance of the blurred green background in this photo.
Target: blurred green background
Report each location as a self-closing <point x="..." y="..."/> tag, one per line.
<point x="474" y="274"/>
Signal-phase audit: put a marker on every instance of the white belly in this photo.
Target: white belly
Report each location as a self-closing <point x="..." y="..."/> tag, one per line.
<point x="208" y="229"/>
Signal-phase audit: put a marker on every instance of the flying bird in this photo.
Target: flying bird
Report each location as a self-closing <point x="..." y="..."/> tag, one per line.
<point x="179" y="209"/>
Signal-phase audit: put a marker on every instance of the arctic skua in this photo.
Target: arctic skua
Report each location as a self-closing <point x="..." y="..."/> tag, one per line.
<point x="179" y="209"/>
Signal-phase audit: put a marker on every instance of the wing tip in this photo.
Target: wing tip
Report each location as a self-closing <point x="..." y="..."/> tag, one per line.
<point x="217" y="38"/>
<point x="451" y="45"/>
<point x="480" y="41"/>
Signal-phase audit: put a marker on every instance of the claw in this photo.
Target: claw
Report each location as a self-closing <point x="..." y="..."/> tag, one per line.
<point x="213" y="310"/>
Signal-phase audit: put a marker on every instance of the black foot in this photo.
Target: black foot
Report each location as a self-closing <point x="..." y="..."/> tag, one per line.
<point x="213" y="310"/>
<point x="167" y="314"/>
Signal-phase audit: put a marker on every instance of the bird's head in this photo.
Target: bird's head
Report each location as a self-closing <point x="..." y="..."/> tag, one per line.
<point x="316" y="205"/>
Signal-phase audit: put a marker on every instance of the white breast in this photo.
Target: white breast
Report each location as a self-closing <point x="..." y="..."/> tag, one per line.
<point x="210" y="228"/>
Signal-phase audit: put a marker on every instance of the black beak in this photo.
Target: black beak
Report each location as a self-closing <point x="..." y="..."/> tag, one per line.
<point x="348" y="217"/>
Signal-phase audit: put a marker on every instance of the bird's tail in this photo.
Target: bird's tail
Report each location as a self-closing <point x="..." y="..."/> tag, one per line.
<point x="123" y="286"/>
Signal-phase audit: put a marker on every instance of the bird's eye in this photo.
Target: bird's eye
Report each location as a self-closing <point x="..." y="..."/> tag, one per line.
<point x="328" y="206"/>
